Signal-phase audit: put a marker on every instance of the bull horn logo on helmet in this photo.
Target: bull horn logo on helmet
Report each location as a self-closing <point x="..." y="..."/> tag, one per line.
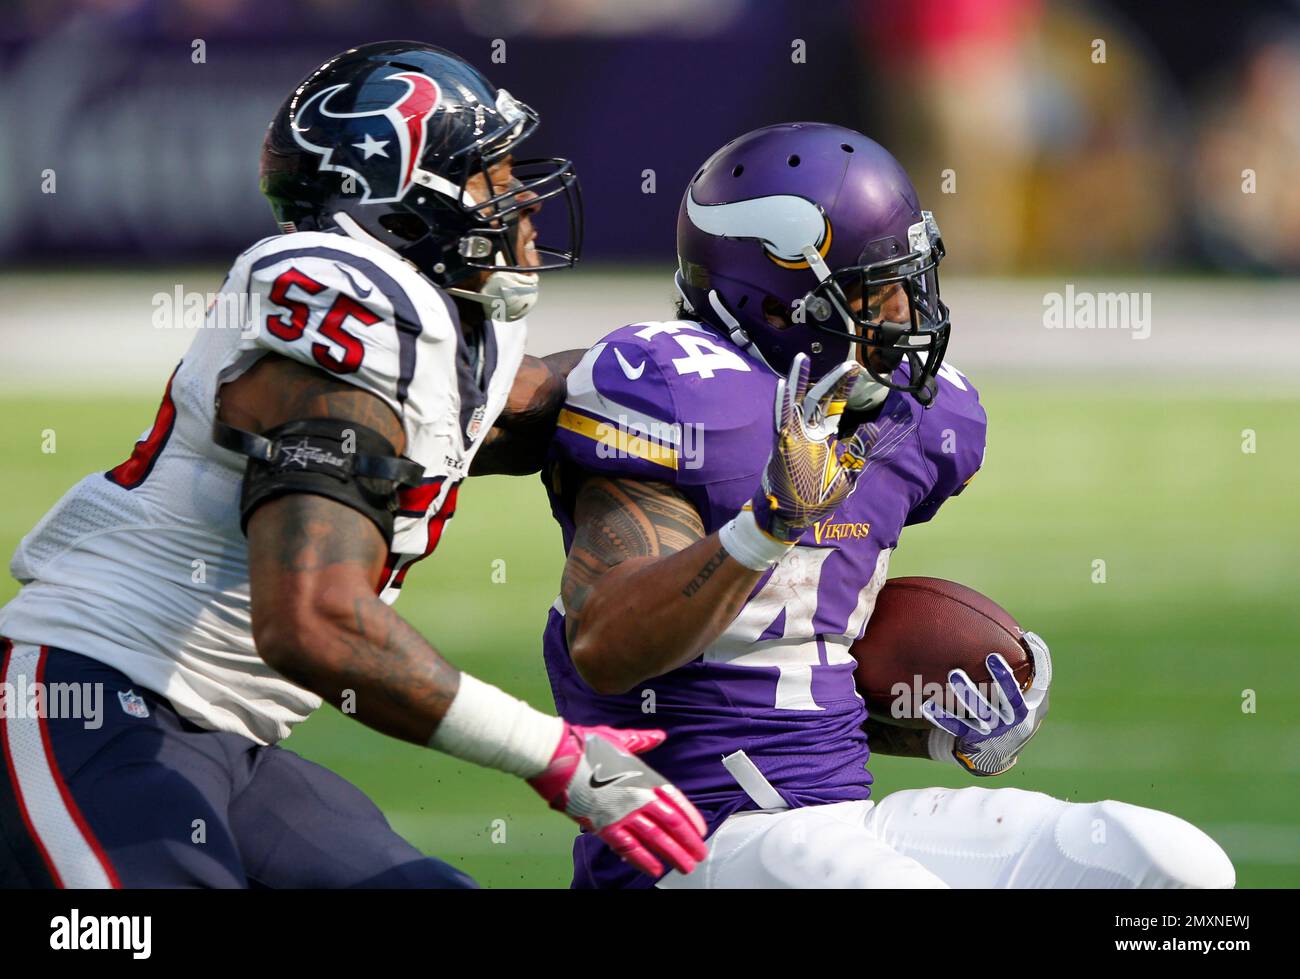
<point x="379" y="147"/>
<point x="784" y="223"/>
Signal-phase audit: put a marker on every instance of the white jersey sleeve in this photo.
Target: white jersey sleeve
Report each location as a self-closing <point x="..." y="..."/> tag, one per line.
<point x="334" y="305"/>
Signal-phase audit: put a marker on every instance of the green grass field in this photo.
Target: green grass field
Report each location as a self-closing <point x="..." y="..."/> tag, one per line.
<point x="1202" y="549"/>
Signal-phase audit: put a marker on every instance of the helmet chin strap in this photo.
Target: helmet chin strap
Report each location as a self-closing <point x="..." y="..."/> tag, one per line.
<point x="823" y="272"/>
<point x="508" y="296"/>
<point x="349" y="226"/>
<point x="739" y="336"/>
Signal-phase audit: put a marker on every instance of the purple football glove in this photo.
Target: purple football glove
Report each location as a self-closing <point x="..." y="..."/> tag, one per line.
<point x="809" y="473"/>
<point x="987" y="739"/>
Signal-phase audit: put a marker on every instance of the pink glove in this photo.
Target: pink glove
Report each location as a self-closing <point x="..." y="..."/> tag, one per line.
<point x="595" y="779"/>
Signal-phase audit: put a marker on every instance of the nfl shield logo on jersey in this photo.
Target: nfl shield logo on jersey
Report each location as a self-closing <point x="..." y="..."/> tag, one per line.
<point x="133" y="703"/>
<point x="476" y="420"/>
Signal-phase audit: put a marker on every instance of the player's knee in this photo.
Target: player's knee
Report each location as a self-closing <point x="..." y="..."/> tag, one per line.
<point x="1147" y="847"/>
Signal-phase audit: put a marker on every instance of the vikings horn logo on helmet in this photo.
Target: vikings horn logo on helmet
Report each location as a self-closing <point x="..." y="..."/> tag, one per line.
<point x="784" y="223"/>
<point x="379" y="147"/>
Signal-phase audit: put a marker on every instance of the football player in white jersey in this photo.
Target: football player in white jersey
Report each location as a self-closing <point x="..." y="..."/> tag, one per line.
<point x="304" y="462"/>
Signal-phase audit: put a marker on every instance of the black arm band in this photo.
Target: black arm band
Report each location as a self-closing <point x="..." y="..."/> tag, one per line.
<point x="349" y="463"/>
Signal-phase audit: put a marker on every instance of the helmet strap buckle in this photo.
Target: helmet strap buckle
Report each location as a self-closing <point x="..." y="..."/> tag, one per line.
<point x="738" y="334"/>
<point x="474" y="246"/>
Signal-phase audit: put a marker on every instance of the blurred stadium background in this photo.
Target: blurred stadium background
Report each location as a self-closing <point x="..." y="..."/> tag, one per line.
<point x="1149" y="148"/>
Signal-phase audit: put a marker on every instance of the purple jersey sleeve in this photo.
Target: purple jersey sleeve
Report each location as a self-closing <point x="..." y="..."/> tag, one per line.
<point x="952" y="432"/>
<point x="671" y="402"/>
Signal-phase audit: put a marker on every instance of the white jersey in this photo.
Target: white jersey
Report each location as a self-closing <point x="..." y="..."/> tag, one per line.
<point x="145" y="568"/>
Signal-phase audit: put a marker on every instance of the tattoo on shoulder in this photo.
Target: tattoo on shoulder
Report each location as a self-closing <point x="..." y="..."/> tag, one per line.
<point x="618" y="519"/>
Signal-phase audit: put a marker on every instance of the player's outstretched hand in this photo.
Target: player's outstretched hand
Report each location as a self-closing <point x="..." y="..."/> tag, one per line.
<point x="596" y="779"/>
<point x="808" y="474"/>
<point x="988" y="738"/>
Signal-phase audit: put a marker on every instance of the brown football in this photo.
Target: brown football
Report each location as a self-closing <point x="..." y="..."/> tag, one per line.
<point x="920" y="629"/>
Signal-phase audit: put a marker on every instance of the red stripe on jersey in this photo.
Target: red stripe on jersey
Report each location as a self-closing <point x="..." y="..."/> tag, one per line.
<point x="414" y="501"/>
<point x="137" y="468"/>
<point x="426" y="493"/>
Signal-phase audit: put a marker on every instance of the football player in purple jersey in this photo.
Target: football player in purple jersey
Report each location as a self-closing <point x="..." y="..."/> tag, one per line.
<point x="731" y="484"/>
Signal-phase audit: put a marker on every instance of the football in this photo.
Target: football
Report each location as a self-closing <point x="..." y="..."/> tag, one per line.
<point x="921" y="629"/>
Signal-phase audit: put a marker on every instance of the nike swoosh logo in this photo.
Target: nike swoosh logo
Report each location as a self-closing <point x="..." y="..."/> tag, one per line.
<point x="355" y="288"/>
<point x="632" y="373"/>
<point x="596" y="782"/>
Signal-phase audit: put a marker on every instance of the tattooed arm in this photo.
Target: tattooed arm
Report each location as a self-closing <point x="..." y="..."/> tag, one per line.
<point x="314" y="565"/>
<point x="890" y="739"/>
<point x="645" y="590"/>
<point x="517" y="444"/>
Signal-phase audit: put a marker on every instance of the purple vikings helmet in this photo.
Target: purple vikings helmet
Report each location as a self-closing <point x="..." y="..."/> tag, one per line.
<point x="807" y="225"/>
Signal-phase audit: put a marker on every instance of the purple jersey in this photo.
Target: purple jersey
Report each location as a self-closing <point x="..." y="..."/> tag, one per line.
<point x="676" y="402"/>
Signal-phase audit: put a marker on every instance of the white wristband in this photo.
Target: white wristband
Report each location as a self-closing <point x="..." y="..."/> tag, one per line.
<point x="744" y="541"/>
<point x="489" y="727"/>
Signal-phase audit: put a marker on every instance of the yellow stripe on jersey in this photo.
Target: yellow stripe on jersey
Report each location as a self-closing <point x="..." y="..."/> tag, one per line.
<point x="621" y="440"/>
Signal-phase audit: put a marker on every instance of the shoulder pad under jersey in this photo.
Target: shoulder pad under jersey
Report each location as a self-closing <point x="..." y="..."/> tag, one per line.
<point x="351" y="309"/>
<point x="951" y="433"/>
<point x="670" y="401"/>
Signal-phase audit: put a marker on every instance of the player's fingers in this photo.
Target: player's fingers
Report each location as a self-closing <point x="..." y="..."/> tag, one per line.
<point x="651" y="826"/>
<point x="674" y="837"/>
<point x="1036" y="700"/>
<point x="691" y="832"/>
<point x="979" y="712"/>
<point x="798" y="388"/>
<point x="1042" y="658"/>
<point x="941" y="719"/>
<point x="625" y="843"/>
<point x="840" y="395"/>
<point x="638" y="740"/>
<point x="826" y="398"/>
<point x="781" y="409"/>
<point x="1011" y="706"/>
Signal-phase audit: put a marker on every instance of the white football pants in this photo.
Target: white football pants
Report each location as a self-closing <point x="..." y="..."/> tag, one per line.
<point x="969" y="837"/>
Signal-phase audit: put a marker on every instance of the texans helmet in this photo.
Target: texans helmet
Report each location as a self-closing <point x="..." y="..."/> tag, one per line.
<point x="387" y="136"/>
<point x="788" y="235"/>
